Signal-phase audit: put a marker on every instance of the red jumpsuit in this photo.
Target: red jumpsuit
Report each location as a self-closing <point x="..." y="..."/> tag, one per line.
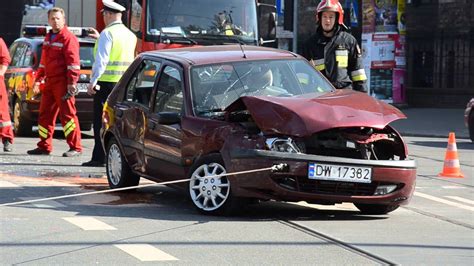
<point x="59" y="66"/>
<point x="6" y="132"/>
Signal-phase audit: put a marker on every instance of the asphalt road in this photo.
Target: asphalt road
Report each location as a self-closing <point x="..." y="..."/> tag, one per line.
<point x="159" y="224"/>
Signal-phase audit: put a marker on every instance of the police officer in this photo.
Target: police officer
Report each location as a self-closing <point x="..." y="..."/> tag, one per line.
<point x="114" y="52"/>
<point x="59" y="67"/>
<point x="333" y="51"/>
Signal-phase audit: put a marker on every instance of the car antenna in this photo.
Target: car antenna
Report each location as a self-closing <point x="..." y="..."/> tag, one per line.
<point x="242" y="48"/>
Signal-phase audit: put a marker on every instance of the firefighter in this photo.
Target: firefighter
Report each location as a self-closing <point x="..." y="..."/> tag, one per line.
<point x="59" y="68"/>
<point x="6" y="132"/>
<point x="333" y="51"/>
<point x="114" y="52"/>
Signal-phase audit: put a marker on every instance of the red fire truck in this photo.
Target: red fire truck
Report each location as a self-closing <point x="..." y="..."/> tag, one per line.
<point x="162" y="24"/>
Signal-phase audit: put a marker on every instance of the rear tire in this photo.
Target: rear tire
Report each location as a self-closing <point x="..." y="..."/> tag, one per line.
<point x="22" y="125"/>
<point x="210" y="194"/>
<point x="375" y="208"/>
<point x="119" y="173"/>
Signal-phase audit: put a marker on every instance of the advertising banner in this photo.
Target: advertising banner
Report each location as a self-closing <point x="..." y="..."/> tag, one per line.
<point x="400" y="43"/>
<point x="398" y="90"/>
<point x="401" y="17"/>
<point x="381" y="84"/>
<point x="368" y="16"/>
<point x="382" y="51"/>
<point x="386" y="16"/>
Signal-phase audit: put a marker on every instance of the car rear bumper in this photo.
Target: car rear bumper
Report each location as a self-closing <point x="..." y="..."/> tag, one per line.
<point x="294" y="185"/>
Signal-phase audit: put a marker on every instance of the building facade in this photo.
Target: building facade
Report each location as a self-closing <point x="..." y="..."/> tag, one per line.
<point x="440" y="53"/>
<point x="433" y="50"/>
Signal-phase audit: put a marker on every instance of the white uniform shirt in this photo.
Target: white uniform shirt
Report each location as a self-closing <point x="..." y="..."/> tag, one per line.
<point x="104" y="47"/>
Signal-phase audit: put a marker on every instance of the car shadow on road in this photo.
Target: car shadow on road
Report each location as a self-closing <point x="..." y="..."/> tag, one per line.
<point x="165" y="203"/>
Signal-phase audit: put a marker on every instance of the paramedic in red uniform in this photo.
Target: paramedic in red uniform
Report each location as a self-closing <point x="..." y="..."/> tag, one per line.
<point x="59" y="67"/>
<point x="6" y="132"/>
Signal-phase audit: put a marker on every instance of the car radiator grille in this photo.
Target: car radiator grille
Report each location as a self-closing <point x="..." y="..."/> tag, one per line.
<point x="303" y="184"/>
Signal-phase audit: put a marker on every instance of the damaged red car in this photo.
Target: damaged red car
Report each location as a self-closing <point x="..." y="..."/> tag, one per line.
<point x="209" y="114"/>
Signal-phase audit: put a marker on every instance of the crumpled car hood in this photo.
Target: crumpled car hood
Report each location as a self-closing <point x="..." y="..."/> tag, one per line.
<point x="305" y="115"/>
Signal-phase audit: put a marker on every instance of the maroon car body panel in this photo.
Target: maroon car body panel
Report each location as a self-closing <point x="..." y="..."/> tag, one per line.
<point x="342" y="117"/>
<point x="301" y="116"/>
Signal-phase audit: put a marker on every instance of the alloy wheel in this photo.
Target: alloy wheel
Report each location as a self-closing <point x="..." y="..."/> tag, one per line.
<point x="208" y="190"/>
<point x="114" y="164"/>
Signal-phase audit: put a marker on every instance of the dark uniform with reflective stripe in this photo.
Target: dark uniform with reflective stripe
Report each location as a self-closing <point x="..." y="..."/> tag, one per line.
<point x="338" y="58"/>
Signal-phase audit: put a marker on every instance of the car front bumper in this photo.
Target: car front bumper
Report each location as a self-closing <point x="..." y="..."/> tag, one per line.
<point x="294" y="184"/>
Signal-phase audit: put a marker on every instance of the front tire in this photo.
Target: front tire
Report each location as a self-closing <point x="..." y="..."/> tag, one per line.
<point x="209" y="192"/>
<point x="22" y="125"/>
<point x="375" y="208"/>
<point x="119" y="173"/>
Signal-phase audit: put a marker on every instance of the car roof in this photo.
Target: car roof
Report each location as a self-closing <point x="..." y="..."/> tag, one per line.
<point x="201" y="55"/>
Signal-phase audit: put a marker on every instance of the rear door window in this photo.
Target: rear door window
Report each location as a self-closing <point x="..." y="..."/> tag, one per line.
<point x="141" y="84"/>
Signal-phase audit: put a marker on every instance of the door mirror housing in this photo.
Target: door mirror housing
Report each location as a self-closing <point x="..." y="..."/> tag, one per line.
<point x="169" y="118"/>
<point x="266" y="23"/>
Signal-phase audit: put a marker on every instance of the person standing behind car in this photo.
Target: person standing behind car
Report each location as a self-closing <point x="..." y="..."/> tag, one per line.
<point x="114" y="52"/>
<point x="334" y="52"/>
<point x="6" y="132"/>
<point x="59" y="68"/>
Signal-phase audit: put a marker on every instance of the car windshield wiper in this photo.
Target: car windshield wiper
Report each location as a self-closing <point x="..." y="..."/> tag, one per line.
<point x="232" y="39"/>
<point x="177" y="38"/>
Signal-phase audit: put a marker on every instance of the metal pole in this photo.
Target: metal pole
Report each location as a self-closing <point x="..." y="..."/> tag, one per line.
<point x="295" y="26"/>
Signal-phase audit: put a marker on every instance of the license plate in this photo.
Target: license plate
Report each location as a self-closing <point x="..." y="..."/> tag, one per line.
<point x="82" y="87"/>
<point x="344" y="173"/>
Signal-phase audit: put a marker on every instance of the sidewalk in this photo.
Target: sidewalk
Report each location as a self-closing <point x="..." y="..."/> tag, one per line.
<point x="432" y="122"/>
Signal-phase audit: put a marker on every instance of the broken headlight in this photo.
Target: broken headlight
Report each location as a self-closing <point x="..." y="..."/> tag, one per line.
<point x="282" y="145"/>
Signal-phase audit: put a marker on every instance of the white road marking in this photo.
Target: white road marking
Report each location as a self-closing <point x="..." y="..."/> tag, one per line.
<point x="6" y="184"/>
<point x="343" y="206"/>
<point x="447" y="202"/>
<point x="452" y="187"/>
<point x="461" y="199"/>
<point x="145" y="252"/>
<point x="89" y="223"/>
<point x="50" y="204"/>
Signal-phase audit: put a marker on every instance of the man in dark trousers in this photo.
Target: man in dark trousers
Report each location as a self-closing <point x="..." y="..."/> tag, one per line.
<point x="59" y="67"/>
<point x="333" y="51"/>
<point x="114" y="52"/>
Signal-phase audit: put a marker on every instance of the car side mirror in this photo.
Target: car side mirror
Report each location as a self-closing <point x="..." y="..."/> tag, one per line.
<point x="169" y="118"/>
<point x="266" y="23"/>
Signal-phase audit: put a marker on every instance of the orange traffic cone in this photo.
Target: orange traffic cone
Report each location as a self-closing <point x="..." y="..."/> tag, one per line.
<point x="451" y="167"/>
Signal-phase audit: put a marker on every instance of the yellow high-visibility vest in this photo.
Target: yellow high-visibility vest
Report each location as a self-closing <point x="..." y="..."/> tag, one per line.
<point x="122" y="52"/>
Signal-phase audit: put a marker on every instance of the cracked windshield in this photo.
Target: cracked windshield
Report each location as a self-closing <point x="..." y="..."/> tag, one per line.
<point x="204" y="20"/>
<point x="217" y="86"/>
